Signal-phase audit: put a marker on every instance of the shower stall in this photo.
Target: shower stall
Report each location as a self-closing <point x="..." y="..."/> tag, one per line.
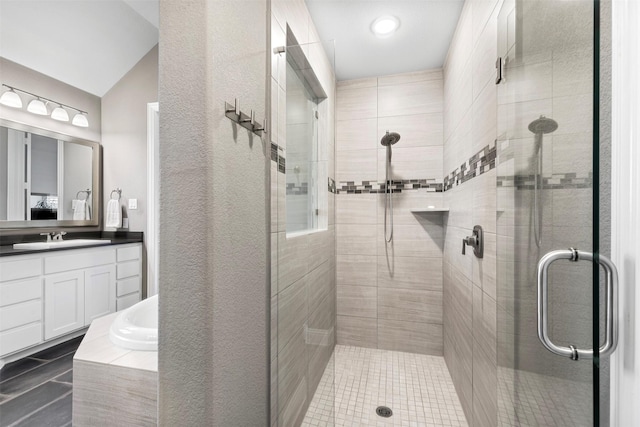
<point x="380" y="316"/>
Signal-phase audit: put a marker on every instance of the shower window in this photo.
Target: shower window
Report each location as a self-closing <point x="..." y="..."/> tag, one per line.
<point x="304" y="95"/>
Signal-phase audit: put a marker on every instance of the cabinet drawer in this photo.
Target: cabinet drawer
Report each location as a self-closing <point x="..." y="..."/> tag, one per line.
<point x="20" y="290"/>
<point x="128" y="286"/>
<point x="20" y="269"/>
<point x="129" y="253"/>
<point x="79" y="259"/>
<point x="128" y="301"/>
<point x="16" y="315"/>
<point x="128" y="269"/>
<point x="19" y="338"/>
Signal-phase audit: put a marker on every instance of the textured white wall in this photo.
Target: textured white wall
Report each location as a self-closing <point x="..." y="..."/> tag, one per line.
<point x="213" y="219"/>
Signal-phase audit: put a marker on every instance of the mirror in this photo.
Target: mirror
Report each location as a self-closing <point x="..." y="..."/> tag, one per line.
<point x="47" y="179"/>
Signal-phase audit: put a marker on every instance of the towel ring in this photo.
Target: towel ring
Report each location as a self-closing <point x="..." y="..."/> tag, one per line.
<point x="117" y="190"/>
<point x="88" y="194"/>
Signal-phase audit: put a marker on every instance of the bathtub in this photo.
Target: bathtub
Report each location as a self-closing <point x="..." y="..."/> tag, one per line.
<point x="136" y="328"/>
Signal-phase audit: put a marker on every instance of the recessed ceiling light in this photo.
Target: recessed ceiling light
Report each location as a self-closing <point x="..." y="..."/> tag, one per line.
<point x="385" y="26"/>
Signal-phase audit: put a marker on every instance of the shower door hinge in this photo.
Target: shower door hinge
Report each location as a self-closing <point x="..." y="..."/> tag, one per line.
<point x="498" y="70"/>
<point x="315" y="113"/>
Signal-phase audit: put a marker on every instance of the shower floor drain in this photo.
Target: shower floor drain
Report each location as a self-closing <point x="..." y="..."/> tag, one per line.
<point x="383" y="411"/>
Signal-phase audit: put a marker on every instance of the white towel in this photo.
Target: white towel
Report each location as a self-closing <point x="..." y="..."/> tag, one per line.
<point x="79" y="210"/>
<point x="114" y="214"/>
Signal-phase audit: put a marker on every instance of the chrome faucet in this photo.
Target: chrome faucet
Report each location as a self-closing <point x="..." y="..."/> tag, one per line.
<point x="54" y="236"/>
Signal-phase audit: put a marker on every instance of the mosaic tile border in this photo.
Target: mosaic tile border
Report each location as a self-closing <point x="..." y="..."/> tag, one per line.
<point x="556" y="181"/>
<point x="481" y="162"/>
<point x="276" y="156"/>
<point x="434" y="185"/>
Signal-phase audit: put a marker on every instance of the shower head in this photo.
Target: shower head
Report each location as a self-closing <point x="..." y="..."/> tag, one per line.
<point x="390" y="139"/>
<point x="543" y="125"/>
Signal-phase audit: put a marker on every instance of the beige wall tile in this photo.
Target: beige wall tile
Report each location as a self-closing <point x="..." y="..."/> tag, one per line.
<point x="320" y="284"/>
<point x="352" y="135"/>
<point x="484" y="269"/>
<point x="357" y="270"/>
<point x="485" y="122"/>
<point x="411" y="163"/>
<point x="417" y="76"/>
<point x="416" y="130"/>
<point x="356" y="208"/>
<point x="485" y="389"/>
<point x="292" y="311"/>
<point x="406" y="202"/>
<point x="357" y="165"/>
<point x="357" y="103"/>
<point x="357" y="83"/>
<point x="352" y="239"/>
<point x="357" y="331"/>
<point x="410" y="273"/>
<point x="292" y="259"/>
<point x="410" y="305"/>
<point x="292" y="370"/>
<point x="423" y="338"/>
<point x="357" y="301"/>
<point x="412" y="241"/>
<point x="410" y="98"/>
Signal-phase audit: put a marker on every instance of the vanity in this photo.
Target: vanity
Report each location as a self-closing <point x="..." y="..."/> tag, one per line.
<point x="50" y="296"/>
<point x="58" y="270"/>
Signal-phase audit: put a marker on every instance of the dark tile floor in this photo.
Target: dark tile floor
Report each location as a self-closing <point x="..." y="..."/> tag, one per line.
<point x="36" y="391"/>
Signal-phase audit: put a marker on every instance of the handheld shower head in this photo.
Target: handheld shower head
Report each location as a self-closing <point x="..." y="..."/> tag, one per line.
<point x="543" y="125"/>
<point x="390" y="138"/>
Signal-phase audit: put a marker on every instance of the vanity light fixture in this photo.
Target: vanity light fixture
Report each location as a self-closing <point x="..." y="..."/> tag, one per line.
<point x="385" y="26"/>
<point x="10" y="98"/>
<point x="37" y="106"/>
<point x="60" y="114"/>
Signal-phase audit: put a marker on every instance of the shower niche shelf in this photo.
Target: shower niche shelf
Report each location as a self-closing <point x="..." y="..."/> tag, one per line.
<point x="425" y="210"/>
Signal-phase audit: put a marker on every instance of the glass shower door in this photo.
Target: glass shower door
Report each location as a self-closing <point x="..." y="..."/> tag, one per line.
<point x="547" y="193"/>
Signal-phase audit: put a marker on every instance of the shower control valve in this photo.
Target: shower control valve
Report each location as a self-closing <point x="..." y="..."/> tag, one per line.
<point x="476" y="241"/>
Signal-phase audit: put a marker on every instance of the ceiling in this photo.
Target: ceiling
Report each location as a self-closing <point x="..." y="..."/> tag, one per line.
<point x="421" y="42"/>
<point x="88" y="44"/>
<point x="92" y="44"/>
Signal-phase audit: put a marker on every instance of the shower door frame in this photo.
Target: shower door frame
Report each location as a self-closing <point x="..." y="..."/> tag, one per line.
<point x="625" y="209"/>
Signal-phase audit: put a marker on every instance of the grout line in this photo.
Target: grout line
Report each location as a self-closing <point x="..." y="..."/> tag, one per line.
<point x="17" y="422"/>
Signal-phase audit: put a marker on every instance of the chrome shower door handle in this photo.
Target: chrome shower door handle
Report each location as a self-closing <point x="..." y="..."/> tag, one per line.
<point x="611" y="307"/>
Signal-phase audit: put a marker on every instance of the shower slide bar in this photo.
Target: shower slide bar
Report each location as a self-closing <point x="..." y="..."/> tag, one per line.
<point x="233" y="113"/>
<point x="611" y="308"/>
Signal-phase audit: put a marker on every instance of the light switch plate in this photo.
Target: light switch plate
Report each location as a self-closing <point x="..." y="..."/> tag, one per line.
<point x="133" y="204"/>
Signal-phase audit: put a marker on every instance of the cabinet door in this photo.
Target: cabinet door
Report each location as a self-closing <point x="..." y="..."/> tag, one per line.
<point x="99" y="292"/>
<point x="63" y="303"/>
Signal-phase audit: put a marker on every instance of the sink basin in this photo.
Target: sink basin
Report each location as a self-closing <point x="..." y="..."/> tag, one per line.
<point x="60" y="244"/>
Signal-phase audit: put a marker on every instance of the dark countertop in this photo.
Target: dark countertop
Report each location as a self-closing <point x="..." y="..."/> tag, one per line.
<point x="116" y="237"/>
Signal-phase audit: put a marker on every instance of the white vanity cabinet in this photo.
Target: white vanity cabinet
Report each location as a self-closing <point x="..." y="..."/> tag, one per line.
<point x="45" y="296"/>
